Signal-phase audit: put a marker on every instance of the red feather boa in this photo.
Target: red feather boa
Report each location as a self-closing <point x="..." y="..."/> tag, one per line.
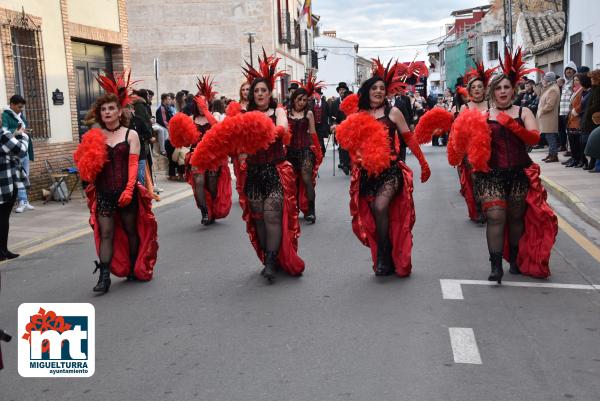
<point x="182" y="130"/>
<point x="233" y="109"/>
<point x="455" y="157"/>
<point x="243" y="133"/>
<point x="436" y="118"/>
<point x="350" y="105"/>
<point x="367" y="141"/>
<point x="473" y="137"/>
<point x="91" y="155"/>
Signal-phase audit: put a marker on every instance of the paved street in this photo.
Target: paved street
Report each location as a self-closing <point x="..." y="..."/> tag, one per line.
<point x="209" y="328"/>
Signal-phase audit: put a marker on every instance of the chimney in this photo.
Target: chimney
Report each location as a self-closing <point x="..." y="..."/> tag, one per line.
<point x="331" y="34"/>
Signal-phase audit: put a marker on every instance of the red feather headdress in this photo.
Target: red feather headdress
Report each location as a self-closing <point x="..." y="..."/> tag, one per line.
<point x="205" y="87"/>
<point x="311" y="85"/>
<point x="267" y="68"/>
<point x="480" y="73"/>
<point x="118" y="85"/>
<point x="513" y="67"/>
<point x="391" y="75"/>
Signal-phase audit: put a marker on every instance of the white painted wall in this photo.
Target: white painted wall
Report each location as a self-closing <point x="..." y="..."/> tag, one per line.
<point x="340" y="65"/>
<point x="487" y="62"/>
<point x="102" y="14"/>
<point x="583" y="17"/>
<point x="55" y="64"/>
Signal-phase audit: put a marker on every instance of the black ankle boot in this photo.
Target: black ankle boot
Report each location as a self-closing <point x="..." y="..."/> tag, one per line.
<point x="104" y="278"/>
<point x="205" y="220"/>
<point x="514" y="252"/>
<point x="496" y="262"/>
<point x="310" y="214"/>
<point x="270" y="266"/>
<point x="384" y="266"/>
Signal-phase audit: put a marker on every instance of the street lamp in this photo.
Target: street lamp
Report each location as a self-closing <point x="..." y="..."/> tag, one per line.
<point x="251" y="36"/>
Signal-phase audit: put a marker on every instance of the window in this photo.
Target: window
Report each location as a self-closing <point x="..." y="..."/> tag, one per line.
<point x="29" y="78"/>
<point x="283" y="19"/>
<point x="304" y="42"/>
<point x="314" y="59"/>
<point x="492" y="51"/>
<point x="295" y="37"/>
<point x="576" y="48"/>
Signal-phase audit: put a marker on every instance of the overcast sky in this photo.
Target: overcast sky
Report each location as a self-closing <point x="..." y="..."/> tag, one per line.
<point x="389" y="23"/>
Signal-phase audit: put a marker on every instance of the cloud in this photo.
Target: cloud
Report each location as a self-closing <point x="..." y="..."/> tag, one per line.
<point x="374" y="23"/>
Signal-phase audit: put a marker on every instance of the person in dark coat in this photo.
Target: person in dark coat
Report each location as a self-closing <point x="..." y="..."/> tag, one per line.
<point x="322" y="125"/>
<point x="337" y="117"/>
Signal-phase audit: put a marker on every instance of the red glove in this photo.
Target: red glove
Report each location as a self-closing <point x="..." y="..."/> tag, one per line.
<point x="132" y="172"/>
<point x="527" y="136"/>
<point x="414" y="147"/>
<point x="201" y="102"/>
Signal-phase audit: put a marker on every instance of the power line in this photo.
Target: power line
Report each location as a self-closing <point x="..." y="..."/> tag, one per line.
<point x="375" y="47"/>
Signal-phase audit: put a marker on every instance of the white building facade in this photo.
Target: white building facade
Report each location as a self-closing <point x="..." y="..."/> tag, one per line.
<point x="340" y="64"/>
<point x="583" y="28"/>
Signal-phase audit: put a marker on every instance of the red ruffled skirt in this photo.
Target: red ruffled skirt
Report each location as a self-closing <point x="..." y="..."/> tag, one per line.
<point x="147" y="231"/>
<point x="402" y="219"/>
<point x="465" y="173"/>
<point x="541" y="228"/>
<point x="217" y="208"/>
<point x="288" y="257"/>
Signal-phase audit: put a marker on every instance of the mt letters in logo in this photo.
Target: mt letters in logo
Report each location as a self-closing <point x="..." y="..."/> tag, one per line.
<point x="57" y="340"/>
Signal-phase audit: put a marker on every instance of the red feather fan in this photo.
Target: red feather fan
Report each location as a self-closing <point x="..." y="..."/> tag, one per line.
<point x="205" y="87"/>
<point x="233" y="109"/>
<point x="311" y="85"/>
<point x="118" y="85"/>
<point x="267" y="67"/>
<point x="436" y="118"/>
<point x="182" y="130"/>
<point x="242" y="133"/>
<point x="391" y="75"/>
<point x="472" y="136"/>
<point x="349" y="105"/>
<point x="455" y="157"/>
<point x="91" y="154"/>
<point x="513" y="67"/>
<point x="367" y="141"/>
<point x="462" y="91"/>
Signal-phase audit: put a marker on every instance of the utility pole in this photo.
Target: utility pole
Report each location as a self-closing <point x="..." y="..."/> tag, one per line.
<point x="250" y="41"/>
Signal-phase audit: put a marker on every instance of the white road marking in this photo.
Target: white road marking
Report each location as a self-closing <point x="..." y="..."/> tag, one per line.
<point x="452" y="289"/>
<point x="464" y="346"/>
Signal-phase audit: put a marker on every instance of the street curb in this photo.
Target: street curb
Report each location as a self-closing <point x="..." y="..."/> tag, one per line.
<point x="76" y="229"/>
<point x="572" y="201"/>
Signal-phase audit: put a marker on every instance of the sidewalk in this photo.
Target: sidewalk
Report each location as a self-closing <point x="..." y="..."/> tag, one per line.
<point x="575" y="187"/>
<point x="55" y="220"/>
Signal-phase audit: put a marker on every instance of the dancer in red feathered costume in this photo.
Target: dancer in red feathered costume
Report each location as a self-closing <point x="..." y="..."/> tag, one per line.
<point x="304" y="150"/>
<point x="381" y="188"/>
<point x="124" y="226"/>
<point x="477" y="82"/>
<point x="268" y="198"/>
<point x="521" y="227"/>
<point x="212" y="188"/>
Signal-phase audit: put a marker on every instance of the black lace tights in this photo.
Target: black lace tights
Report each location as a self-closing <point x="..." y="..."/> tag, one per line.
<point x="498" y="217"/>
<point x="200" y="182"/>
<point x="307" y="174"/>
<point x="380" y="206"/>
<point x="268" y="220"/>
<point x="107" y="231"/>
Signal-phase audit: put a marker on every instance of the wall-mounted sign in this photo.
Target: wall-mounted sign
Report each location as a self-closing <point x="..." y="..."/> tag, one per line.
<point x="58" y="99"/>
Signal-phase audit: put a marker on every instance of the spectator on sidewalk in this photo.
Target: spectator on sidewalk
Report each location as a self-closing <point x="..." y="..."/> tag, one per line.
<point x="582" y="83"/>
<point x="12" y="119"/>
<point x="565" y="105"/>
<point x="163" y="116"/>
<point x="13" y="148"/>
<point x="141" y="123"/>
<point x="547" y="115"/>
<point x="218" y="109"/>
<point x="591" y="121"/>
<point x="322" y="116"/>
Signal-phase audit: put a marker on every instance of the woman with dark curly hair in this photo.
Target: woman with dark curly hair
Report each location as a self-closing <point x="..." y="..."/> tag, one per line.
<point x="377" y="135"/>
